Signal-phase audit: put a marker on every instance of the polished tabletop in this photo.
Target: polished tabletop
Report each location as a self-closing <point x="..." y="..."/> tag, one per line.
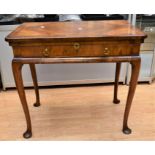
<point x="76" y="29"/>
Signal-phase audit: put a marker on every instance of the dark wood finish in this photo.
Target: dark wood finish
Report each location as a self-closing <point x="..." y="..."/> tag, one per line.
<point x="118" y="68"/>
<point x="75" y="42"/>
<point x="35" y="82"/>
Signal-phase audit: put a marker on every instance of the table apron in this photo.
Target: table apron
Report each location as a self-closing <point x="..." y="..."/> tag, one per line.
<point x="76" y="60"/>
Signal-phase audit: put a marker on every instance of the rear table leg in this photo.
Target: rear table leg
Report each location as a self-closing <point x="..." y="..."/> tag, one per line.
<point x="35" y="82"/>
<point x="115" y="99"/>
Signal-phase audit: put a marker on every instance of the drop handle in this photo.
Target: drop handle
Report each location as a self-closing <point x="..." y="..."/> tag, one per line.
<point x="106" y="51"/>
<point x="45" y="52"/>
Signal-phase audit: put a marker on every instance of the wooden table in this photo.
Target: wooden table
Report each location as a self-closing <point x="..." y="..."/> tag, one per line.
<point x="75" y="42"/>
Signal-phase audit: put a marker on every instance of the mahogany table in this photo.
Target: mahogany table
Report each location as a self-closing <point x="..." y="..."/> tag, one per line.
<point x="75" y="42"/>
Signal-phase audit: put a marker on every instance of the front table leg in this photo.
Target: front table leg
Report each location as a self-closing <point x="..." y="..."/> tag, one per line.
<point x="135" y="65"/>
<point x="17" y="68"/>
<point x="35" y="82"/>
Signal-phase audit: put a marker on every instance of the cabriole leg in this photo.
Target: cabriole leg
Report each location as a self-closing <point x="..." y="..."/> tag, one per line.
<point x="17" y="68"/>
<point x="135" y="65"/>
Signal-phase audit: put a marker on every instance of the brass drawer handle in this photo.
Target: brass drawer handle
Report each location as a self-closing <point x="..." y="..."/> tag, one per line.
<point x="106" y="51"/>
<point x="76" y="46"/>
<point x="45" y="52"/>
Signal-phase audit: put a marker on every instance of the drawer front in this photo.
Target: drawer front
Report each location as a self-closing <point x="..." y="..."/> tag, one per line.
<point x="77" y="50"/>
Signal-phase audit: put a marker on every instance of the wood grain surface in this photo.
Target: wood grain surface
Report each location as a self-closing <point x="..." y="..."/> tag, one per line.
<point x="83" y="50"/>
<point x="54" y="31"/>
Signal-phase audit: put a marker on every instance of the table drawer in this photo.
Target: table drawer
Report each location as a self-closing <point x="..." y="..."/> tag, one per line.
<point x="77" y="50"/>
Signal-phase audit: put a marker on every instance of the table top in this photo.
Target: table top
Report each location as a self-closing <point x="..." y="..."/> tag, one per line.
<point x="86" y="30"/>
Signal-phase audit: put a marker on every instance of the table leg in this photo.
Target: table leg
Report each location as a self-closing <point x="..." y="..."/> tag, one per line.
<point x="35" y="82"/>
<point x="117" y="73"/>
<point x="135" y="65"/>
<point x="17" y="68"/>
